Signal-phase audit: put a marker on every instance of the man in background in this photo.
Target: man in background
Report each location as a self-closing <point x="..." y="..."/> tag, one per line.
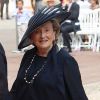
<point x="71" y="24"/>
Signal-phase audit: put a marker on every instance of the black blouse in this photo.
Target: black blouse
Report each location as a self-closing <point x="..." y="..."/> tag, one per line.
<point x="50" y="84"/>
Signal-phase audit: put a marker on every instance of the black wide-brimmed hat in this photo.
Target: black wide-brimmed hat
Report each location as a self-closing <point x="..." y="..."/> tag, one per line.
<point x="42" y="16"/>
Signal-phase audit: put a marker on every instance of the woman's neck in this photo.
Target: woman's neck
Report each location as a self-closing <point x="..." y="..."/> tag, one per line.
<point x="43" y="52"/>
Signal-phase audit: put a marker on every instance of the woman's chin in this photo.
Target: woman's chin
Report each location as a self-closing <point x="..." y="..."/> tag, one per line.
<point x="44" y="46"/>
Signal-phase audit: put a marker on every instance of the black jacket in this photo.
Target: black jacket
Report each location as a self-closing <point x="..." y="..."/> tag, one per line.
<point x="73" y="17"/>
<point x="60" y="79"/>
<point x="63" y="9"/>
<point x="74" y="10"/>
<point x="3" y="76"/>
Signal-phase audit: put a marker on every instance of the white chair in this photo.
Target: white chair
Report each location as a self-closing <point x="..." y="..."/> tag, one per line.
<point x="90" y="26"/>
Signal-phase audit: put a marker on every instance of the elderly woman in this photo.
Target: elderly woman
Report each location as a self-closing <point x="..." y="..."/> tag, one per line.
<point x="46" y="72"/>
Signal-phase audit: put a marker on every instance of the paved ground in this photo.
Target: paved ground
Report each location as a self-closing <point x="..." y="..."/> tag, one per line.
<point x="89" y="62"/>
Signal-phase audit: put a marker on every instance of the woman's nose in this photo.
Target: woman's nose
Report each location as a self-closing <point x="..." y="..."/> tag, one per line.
<point x="42" y="34"/>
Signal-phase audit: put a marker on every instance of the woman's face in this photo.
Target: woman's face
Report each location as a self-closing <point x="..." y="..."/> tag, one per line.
<point x="44" y="36"/>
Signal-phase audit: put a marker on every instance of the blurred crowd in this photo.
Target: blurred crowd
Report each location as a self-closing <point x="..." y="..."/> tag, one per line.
<point x="33" y="5"/>
<point x="22" y="10"/>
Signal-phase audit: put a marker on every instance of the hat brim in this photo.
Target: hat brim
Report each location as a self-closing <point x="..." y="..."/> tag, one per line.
<point x="39" y="19"/>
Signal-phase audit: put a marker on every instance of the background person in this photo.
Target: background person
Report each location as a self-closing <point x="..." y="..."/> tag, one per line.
<point x="46" y="73"/>
<point x="50" y="3"/>
<point x="94" y="4"/>
<point x="71" y="24"/>
<point x="22" y="17"/>
<point x="33" y="5"/>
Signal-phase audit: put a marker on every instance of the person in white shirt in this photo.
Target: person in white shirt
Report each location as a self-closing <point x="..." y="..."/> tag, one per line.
<point x="22" y="18"/>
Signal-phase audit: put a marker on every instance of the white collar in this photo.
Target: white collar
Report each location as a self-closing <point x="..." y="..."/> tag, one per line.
<point x="69" y="6"/>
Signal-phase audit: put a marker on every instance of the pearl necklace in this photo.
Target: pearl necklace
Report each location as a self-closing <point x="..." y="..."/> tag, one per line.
<point x="35" y="75"/>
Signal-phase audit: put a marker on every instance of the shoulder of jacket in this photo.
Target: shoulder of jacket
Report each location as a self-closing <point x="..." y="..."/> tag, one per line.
<point x="67" y="59"/>
<point x="29" y="51"/>
<point x="74" y="3"/>
<point x="2" y="49"/>
<point x="64" y="54"/>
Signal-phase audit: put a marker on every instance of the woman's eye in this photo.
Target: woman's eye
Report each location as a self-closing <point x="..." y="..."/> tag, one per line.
<point x="47" y="30"/>
<point x="37" y="31"/>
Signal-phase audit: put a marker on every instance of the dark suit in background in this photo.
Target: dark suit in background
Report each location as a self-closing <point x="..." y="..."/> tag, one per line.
<point x="3" y="76"/>
<point x="2" y="6"/>
<point x="71" y="24"/>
